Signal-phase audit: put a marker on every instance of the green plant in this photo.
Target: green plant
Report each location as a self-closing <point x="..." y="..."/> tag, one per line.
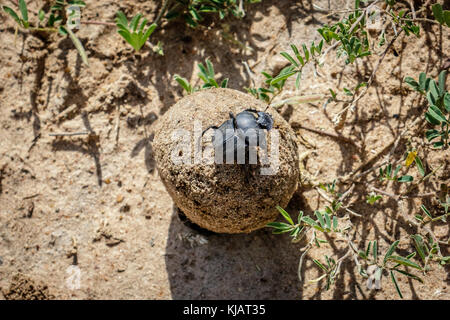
<point x="388" y="174"/>
<point x="391" y="263"/>
<point x="134" y="32"/>
<point x="23" y="21"/>
<point x="206" y="74"/>
<point x="56" y="21"/>
<point x="192" y="11"/>
<point x="373" y="197"/>
<point x="326" y="223"/>
<point x="438" y="113"/>
<point x="275" y="84"/>
<point x="442" y="16"/>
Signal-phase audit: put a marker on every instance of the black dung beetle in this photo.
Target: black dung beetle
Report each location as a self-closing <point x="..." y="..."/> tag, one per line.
<point x="237" y="128"/>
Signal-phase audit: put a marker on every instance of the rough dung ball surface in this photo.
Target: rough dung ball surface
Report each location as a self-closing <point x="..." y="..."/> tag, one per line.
<point x="222" y="197"/>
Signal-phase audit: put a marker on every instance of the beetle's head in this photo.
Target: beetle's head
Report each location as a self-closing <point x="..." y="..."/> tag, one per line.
<point x="265" y="120"/>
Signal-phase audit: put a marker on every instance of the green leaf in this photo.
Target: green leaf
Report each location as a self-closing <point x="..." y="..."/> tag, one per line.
<point x="441" y="82"/>
<point x="425" y="210"/>
<point x="405" y="179"/>
<point x="224" y="83"/>
<point x="41" y="15"/>
<point x="282" y="77"/>
<point x="309" y="221"/>
<point x="134" y="22"/>
<point x="348" y="92"/>
<point x="412" y="83"/>
<point x="445" y="260"/>
<point x="405" y="262"/>
<point x="447" y="102"/>
<point x="285" y="215"/>
<point x="447" y="17"/>
<point x="126" y="35"/>
<point x="24" y="12"/>
<point x="397" y="169"/>
<point x="410" y="275"/>
<point x="321" y="266"/>
<point x="438" y="13"/>
<point x="305" y="50"/>
<point x="437" y="114"/>
<point x="297" y="80"/>
<point x="327" y="221"/>
<point x="143" y="24"/>
<point x="368" y="248"/>
<point x="290" y="59"/>
<point x="432" y="134"/>
<point x="375" y="250"/>
<point x="12" y="13"/>
<point x="422" y="79"/>
<point x="300" y="216"/>
<point x="420" y="166"/>
<point x="335" y="223"/>
<point x="210" y="67"/>
<point x="280" y="226"/>
<point x="391" y="250"/>
<point x="439" y="144"/>
<point x="333" y="94"/>
<point x="320" y="218"/>
<point x="78" y="45"/>
<point x="148" y="33"/>
<point x="297" y="54"/>
<point x="418" y="243"/>
<point x="362" y="254"/>
<point x="183" y="83"/>
<point x="431" y="119"/>
<point x="434" y="90"/>
<point x="62" y="31"/>
<point x="121" y="19"/>
<point x="394" y="280"/>
<point x="430" y="97"/>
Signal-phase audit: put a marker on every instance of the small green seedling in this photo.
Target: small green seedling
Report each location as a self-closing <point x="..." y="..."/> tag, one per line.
<point x="134" y="33"/>
<point x="23" y="20"/>
<point x="372" y="198"/>
<point x="192" y="11"/>
<point x="206" y="74"/>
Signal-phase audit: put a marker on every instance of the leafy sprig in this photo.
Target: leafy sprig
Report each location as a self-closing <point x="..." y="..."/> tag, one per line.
<point x="135" y="32"/>
<point x="438" y="113"/>
<point x="206" y="74"/>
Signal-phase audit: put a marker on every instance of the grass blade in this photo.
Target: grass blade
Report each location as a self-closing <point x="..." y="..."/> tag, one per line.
<point x="395" y="284"/>
<point x="78" y="45"/>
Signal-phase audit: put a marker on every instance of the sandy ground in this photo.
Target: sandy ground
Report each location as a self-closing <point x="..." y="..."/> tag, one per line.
<point x="96" y="208"/>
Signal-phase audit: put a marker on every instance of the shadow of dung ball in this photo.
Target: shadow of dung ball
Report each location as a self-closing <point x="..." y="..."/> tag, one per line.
<point x="224" y="198"/>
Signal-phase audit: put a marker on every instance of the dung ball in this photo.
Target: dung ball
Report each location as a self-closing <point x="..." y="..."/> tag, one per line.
<point x="228" y="197"/>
